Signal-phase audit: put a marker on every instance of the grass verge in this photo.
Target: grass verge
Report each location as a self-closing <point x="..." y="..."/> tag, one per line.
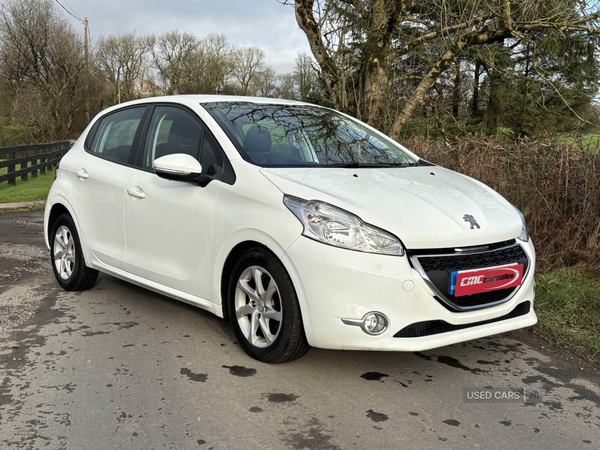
<point x="27" y="191"/>
<point x="568" y="307"/>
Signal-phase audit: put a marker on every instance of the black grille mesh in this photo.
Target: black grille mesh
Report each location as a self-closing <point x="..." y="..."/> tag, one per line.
<point x="438" y="269"/>
<point x="466" y="301"/>
<point x="432" y="327"/>
<point x="474" y="260"/>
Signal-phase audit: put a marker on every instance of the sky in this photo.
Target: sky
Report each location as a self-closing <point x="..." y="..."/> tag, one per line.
<point x="263" y="23"/>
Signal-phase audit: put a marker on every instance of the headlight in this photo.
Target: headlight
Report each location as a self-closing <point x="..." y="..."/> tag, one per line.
<point x="326" y="223"/>
<point x="524" y="236"/>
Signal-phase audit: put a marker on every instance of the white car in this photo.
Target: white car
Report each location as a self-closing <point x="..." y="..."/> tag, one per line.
<point x="301" y="225"/>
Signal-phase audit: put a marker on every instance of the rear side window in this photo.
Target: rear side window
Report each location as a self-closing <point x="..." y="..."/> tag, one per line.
<point x="115" y="135"/>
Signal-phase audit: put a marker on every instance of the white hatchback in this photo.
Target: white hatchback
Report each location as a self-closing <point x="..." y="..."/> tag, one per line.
<point x="301" y="225"/>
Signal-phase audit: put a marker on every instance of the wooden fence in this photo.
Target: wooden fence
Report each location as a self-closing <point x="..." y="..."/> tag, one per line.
<point x="30" y="159"/>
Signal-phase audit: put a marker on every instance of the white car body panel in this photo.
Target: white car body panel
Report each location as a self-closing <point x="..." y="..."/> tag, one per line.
<point x="423" y="210"/>
<point x="376" y="283"/>
<point x="99" y="201"/>
<point x="177" y="239"/>
<point x="178" y="219"/>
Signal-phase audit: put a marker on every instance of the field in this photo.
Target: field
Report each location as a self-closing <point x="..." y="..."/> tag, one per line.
<point x="568" y="308"/>
<point x="26" y="191"/>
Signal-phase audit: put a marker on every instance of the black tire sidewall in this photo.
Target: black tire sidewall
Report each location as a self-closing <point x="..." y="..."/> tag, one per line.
<point x="289" y="302"/>
<point x="67" y="221"/>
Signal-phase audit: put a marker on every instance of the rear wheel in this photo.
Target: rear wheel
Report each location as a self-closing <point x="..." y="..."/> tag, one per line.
<point x="68" y="262"/>
<point x="264" y="309"/>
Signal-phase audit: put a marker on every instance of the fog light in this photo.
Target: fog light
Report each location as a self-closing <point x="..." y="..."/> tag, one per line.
<point x="374" y="323"/>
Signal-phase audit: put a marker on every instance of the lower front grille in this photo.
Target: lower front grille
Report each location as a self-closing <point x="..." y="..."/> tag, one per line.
<point x="436" y="270"/>
<point x="431" y="327"/>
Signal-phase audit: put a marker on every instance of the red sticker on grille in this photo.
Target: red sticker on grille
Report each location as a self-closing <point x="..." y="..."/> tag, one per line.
<point x="467" y="282"/>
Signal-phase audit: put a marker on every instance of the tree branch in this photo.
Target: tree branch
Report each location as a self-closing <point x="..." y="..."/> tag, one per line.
<point x="435" y="34"/>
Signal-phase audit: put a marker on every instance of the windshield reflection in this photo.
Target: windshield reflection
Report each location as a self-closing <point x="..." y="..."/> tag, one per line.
<point x="303" y="136"/>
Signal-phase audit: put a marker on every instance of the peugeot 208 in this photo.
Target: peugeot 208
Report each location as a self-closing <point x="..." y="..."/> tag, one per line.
<point x="301" y="225"/>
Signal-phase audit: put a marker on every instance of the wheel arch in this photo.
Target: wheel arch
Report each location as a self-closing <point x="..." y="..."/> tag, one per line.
<point x="232" y="257"/>
<point x="234" y="247"/>
<point x="54" y="209"/>
<point x="57" y="210"/>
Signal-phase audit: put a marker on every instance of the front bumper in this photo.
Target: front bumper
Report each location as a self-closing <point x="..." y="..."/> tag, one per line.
<point x="334" y="284"/>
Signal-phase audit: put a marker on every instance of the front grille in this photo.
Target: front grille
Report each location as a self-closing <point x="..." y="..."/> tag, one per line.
<point x="430" y="327"/>
<point x="460" y="261"/>
<point x="437" y="270"/>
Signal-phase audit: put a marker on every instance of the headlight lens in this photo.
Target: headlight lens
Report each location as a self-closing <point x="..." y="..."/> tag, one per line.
<point x="524" y="236"/>
<point x="326" y="223"/>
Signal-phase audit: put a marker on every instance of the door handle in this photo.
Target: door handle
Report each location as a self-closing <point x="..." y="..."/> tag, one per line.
<point x="82" y="174"/>
<point x="136" y="192"/>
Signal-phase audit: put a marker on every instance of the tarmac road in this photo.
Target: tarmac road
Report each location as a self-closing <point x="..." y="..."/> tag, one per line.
<point x="122" y="367"/>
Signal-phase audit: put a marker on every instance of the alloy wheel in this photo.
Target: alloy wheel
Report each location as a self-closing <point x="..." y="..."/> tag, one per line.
<point x="64" y="252"/>
<point x="258" y="306"/>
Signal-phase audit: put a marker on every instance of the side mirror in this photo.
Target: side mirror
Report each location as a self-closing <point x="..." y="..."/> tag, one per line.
<point x="177" y="167"/>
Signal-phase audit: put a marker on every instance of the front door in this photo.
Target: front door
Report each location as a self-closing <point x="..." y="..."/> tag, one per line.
<point x="170" y="224"/>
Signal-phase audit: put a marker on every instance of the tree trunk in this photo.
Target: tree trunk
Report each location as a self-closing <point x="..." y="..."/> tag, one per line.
<point x="456" y="97"/>
<point x="378" y="57"/>
<point x="416" y="99"/>
<point x="475" y="113"/>
<point x="493" y="110"/>
<point x="375" y="95"/>
<point x="308" y="24"/>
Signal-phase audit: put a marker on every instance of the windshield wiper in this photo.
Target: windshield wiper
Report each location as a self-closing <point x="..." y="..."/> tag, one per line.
<point x="359" y="165"/>
<point x="354" y="165"/>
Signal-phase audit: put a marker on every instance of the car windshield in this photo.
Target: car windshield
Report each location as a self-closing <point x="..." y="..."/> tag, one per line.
<point x="304" y="136"/>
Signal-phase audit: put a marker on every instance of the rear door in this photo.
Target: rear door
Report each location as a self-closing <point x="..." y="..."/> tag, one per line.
<point x="98" y="182"/>
<point x="170" y="224"/>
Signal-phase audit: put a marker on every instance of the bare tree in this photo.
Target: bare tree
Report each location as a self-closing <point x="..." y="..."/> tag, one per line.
<point x="266" y="82"/>
<point x="42" y="68"/>
<point x="122" y="59"/>
<point x="304" y="75"/>
<point x="173" y="55"/>
<point x="285" y="86"/>
<point x="219" y="56"/>
<point x="248" y="62"/>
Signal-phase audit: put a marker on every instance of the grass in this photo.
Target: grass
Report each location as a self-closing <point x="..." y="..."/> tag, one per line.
<point x="27" y="191"/>
<point x="568" y="307"/>
<point x="581" y="144"/>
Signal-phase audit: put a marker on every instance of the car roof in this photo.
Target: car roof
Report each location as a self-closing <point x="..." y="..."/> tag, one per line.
<point x="238" y="98"/>
<point x="200" y="99"/>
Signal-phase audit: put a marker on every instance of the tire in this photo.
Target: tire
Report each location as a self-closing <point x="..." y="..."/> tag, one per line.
<point x="69" y="266"/>
<point x="267" y="322"/>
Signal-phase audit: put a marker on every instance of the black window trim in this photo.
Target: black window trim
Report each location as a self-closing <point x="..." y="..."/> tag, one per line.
<point x="228" y="176"/>
<point x="134" y="150"/>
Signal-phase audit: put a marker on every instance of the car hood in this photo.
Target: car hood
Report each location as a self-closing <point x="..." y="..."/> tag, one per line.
<point x="424" y="206"/>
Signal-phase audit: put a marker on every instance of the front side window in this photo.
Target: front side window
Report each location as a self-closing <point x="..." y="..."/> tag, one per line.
<point x="285" y="135"/>
<point x="115" y="135"/>
<point x="174" y="130"/>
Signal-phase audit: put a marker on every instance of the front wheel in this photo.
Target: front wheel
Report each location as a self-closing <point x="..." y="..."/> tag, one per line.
<point x="264" y="309"/>
<point x="67" y="257"/>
